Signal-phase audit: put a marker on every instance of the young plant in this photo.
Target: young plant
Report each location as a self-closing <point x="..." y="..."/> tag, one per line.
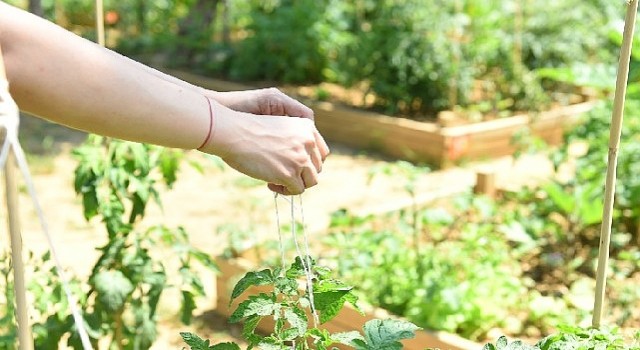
<point x="117" y="180"/>
<point x="571" y="338"/>
<point x="289" y="307"/>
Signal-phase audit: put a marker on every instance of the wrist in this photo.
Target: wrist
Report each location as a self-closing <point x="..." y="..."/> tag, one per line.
<point x="217" y="142"/>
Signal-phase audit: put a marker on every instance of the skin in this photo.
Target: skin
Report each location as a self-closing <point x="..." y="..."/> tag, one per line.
<point x="63" y="78"/>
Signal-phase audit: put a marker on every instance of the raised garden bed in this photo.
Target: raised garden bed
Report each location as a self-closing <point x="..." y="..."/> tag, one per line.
<point x="416" y="141"/>
<point x="231" y="270"/>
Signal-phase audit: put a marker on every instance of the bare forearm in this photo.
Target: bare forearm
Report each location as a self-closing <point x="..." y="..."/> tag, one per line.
<point x="62" y="77"/>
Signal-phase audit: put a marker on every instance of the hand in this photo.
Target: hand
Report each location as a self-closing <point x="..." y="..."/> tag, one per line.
<point x="286" y="152"/>
<point x="269" y="101"/>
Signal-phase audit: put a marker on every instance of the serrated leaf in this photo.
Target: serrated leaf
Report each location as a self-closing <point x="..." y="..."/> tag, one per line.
<point x="113" y="288"/>
<point x="329" y="298"/>
<point x="271" y="346"/>
<point x="286" y="286"/>
<point x="252" y="278"/>
<point x="259" y="305"/>
<point x="297" y="268"/>
<point x="225" y="346"/>
<point x="385" y="334"/>
<point x="194" y="341"/>
<point x="298" y="321"/>
<point x="346" y="338"/>
<point x="249" y="329"/>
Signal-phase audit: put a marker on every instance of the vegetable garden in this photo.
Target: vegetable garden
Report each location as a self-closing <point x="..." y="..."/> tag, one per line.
<point x="521" y="264"/>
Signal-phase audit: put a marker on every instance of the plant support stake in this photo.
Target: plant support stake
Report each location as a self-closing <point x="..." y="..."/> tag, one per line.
<point x="614" y="142"/>
<point x="100" y="22"/>
<point x="11" y="195"/>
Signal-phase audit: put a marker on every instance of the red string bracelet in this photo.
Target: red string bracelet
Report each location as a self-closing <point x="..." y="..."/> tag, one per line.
<point x="206" y="140"/>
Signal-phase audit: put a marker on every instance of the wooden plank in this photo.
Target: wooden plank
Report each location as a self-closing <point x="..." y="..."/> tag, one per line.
<point x="419" y="141"/>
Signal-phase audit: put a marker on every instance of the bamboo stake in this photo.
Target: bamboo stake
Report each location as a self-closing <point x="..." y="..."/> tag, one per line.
<point x="614" y="142"/>
<point x="100" y="22"/>
<point x="13" y="223"/>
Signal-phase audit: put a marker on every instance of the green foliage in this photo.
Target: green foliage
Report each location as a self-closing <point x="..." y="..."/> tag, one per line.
<point x="120" y="300"/>
<point x="8" y="329"/>
<point x="289" y="306"/>
<point x="283" y="43"/>
<point x="437" y="286"/>
<point x="570" y="337"/>
<point x="410" y="62"/>
<point x="385" y="335"/>
<point x="197" y="343"/>
<point x="117" y="180"/>
<point x="415" y="57"/>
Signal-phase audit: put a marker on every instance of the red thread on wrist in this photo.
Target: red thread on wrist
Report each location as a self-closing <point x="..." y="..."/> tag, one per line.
<point x="206" y="140"/>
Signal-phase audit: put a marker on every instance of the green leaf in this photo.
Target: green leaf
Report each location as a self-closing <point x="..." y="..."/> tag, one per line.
<point x="169" y="162"/>
<point x="297" y="268"/>
<point x="225" y="346"/>
<point x="271" y="344"/>
<point x="329" y="298"/>
<point x="187" y="307"/>
<point x="298" y="321"/>
<point x="259" y="305"/>
<point x="560" y="198"/>
<point x="346" y="338"/>
<point x="385" y="334"/>
<point x="286" y="286"/>
<point x="195" y="342"/>
<point x="249" y="329"/>
<point x="252" y="278"/>
<point x="113" y="288"/>
<point x="501" y="343"/>
<point x="205" y="259"/>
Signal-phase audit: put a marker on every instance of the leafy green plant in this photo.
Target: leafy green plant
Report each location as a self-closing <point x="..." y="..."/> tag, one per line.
<point x="117" y="180"/>
<point x="289" y="307"/>
<point x="120" y="299"/>
<point x="8" y="329"/>
<point x="464" y="269"/>
<point x="570" y="337"/>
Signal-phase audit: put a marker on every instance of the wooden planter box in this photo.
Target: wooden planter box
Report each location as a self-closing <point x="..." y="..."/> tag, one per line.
<point x="348" y="319"/>
<point x="420" y="141"/>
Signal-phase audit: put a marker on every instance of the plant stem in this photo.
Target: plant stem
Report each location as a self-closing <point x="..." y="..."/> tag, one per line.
<point x="117" y="332"/>
<point x="614" y="142"/>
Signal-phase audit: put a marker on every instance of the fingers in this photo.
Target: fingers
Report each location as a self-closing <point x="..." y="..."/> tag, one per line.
<point x="275" y="102"/>
<point x="308" y="178"/>
<point x="323" y="148"/>
<point x="295" y="108"/>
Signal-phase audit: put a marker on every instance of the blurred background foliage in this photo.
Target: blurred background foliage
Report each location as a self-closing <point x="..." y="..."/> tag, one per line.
<point x="415" y="57"/>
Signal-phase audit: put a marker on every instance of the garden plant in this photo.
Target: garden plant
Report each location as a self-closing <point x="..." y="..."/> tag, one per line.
<point x="117" y="180"/>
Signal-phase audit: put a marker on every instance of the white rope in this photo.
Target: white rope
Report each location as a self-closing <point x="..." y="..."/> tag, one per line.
<point x="306" y="259"/>
<point x="10" y="121"/>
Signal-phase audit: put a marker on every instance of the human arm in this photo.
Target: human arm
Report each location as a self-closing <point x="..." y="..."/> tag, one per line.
<point x="66" y="79"/>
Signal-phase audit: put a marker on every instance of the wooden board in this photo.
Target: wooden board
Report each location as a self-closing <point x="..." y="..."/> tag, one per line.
<point x="420" y="141"/>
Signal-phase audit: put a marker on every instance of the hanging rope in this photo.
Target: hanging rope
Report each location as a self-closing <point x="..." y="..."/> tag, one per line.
<point x="305" y="257"/>
<point x="614" y="142"/>
<point x="10" y="120"/>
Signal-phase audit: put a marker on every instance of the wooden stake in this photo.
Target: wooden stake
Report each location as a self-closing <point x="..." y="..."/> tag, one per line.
<point x="13" y="222"/>
<point x="100" y="22"/>
<point x="614" y="142"/>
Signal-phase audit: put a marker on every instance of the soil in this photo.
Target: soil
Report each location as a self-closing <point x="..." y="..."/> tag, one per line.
<point x="221" y="203"/>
